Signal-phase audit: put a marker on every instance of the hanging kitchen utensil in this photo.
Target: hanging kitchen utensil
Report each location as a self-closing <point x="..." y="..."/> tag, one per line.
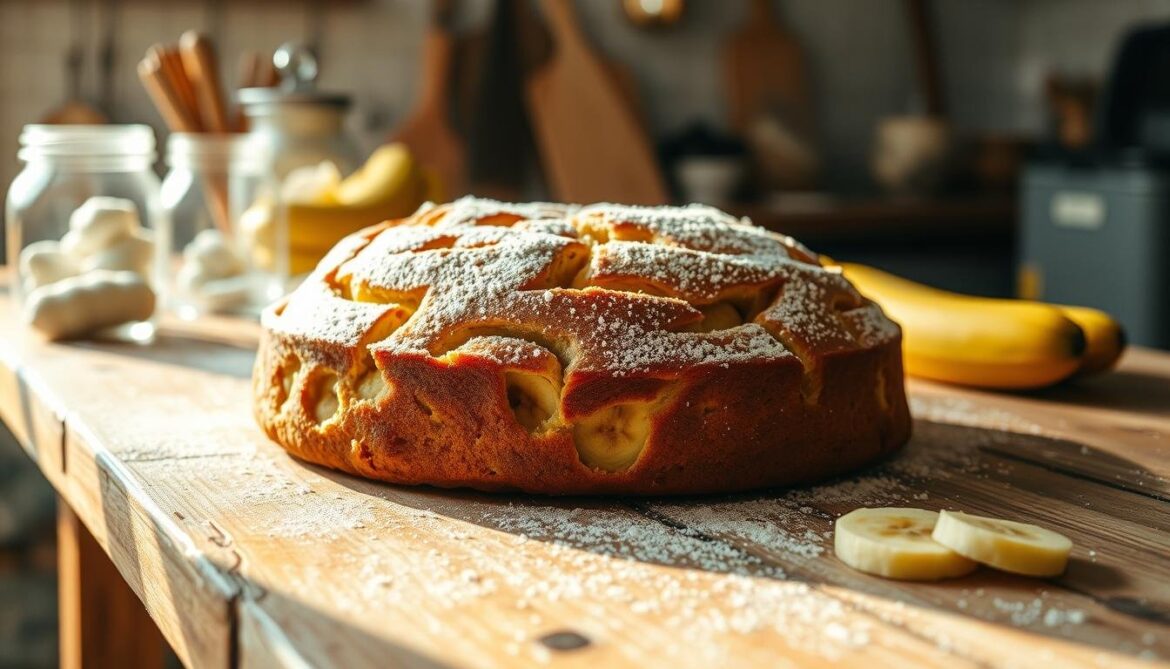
<point x="536" y="45"/>
<point x="499" y="136"/>
<point x="427" y="131"/>
<point x="75" y="111"/>
<point x="592" y="144"/>
<point x="107" y="58"/>
<point x="926" y="58"/>
<point x="765" y="73"/>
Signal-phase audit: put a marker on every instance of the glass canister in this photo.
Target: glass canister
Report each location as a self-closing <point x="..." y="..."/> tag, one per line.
<point x="213" y="267"/>
<point x="300" y="124"/>
<point x="308" y="151"/>
<point x="84" y="228"/>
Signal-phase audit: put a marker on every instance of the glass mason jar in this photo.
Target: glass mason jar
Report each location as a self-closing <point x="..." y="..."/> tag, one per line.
<point x="87" y="199"/>
<point x="300" y="124"/>
<point x="214" y="266"/>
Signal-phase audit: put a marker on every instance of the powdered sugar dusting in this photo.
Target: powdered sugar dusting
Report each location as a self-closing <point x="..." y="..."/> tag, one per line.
<point x="698" y="227"/>
<point x="699" y="276"/>
<point x="478" y="277"/>
<point x="472" y="210"/>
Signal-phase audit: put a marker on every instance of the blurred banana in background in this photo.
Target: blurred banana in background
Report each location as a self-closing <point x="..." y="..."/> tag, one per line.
<point x="1104" y="338"/>
<point x="323" y="207"/>
<point x="990" y="343"/>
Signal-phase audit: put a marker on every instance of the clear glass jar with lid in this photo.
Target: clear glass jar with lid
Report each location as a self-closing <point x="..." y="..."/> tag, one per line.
<point x="86" y="200"/>
<point x="213" y="265"/>
<point x="301" y="125"/>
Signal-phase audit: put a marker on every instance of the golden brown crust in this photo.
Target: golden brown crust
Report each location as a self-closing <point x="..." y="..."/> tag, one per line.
<point x="563" y="351"/>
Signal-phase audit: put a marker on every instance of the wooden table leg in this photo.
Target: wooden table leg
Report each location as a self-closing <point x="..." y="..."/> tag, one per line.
<point x="103" y="623"/>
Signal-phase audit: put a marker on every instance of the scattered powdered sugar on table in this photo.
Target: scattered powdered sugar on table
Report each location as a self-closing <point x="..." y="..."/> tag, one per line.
<point x="777" y="526"/>
<point x="613" y="557"/>
<point x="957" y="411"/>
<point x="1034" y="611"/>
<point x="627" y="536"/>
<point x="704" y="570"/>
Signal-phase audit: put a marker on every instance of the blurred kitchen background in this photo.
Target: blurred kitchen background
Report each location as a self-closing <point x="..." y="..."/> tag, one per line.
<point x="900" y="136"/>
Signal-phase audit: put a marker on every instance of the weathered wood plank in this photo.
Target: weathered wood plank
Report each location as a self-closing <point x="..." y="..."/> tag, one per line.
<point x="1113" y="596"/>
<point x="189" y="597"/>
<point x="38" y="427"/>
<point x="352" y="573"/>
<point x="103" y="624"/>
<point x="1114" y="428"/>
<point x="231" y="543"/>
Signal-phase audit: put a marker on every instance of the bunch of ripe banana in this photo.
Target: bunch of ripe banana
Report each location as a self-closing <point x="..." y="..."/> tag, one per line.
<point x="990" y="343"/>
<point x="322" y="207"/>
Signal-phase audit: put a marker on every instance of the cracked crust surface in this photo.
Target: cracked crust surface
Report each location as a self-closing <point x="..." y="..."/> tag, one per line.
<point x="569" y="350"/>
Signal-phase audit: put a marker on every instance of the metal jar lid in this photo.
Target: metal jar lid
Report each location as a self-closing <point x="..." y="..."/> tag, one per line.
<point x="297" y="67"/>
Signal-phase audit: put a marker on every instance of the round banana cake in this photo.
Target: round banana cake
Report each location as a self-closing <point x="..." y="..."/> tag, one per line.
<point x="577" y="350"/>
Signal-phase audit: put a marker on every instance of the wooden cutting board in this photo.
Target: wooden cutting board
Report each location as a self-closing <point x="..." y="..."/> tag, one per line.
<point x="764" y="67"/>
<point x="592" y="144"/>
<point x="427" y="131"/>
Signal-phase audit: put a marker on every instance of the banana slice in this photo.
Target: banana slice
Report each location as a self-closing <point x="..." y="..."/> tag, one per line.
<point x="1004" y="544"/>
<point x="896" y="543"/>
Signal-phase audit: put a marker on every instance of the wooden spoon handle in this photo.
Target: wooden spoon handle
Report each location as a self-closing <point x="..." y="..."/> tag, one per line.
<point x="150" y="71"/>
<point x="562" y="22"/>
<point x="172" y="69"/>
<point x="438" y="49"/>
<point x="202" y="68"/>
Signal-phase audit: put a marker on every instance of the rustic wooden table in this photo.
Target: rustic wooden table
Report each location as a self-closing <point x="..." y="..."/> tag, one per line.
<point x="244" y="556"/>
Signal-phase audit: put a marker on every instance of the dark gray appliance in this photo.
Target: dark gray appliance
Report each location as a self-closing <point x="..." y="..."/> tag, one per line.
<point x="1096" y="224"/>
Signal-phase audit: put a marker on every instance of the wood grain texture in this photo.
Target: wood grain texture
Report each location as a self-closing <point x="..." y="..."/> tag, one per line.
<point x="38" y="428"/>
<point x="231" y="543"/>
<point x="591" y="141"/>
<point x="102" y="622"/>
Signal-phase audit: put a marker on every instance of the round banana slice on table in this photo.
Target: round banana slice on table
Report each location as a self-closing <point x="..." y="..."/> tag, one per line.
<point x="1019" y="548"/>
<point x="896" y="543"/>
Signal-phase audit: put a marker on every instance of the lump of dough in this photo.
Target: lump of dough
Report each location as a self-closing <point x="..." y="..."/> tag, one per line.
<point x="98" y="223"/>
<point x="83" y="304"/>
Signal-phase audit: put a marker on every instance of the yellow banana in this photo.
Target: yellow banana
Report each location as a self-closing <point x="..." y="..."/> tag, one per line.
<point x="974" y="341"/>
<point x="383" y="177"/>
<point x="390" y="185"/>
<point x="1104" y="338"/>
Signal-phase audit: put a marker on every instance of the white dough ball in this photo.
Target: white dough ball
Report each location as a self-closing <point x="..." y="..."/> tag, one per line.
<point x="44" y="262"/>
<point x="131" y="254"/>
<point x="213" y="252"/>
<point x="98" y="223"/>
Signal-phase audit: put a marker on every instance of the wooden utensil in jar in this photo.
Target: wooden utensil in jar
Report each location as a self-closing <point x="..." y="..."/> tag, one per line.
<point x="201" y="65"/>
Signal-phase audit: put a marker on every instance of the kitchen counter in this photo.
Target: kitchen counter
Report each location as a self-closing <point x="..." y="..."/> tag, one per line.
<point x="244" y="556"/>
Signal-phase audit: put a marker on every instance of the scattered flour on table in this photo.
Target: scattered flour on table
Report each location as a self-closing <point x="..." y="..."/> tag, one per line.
<point x="958" y="411"/>
<point x="677" y="567"/>
<point x="1026" y="613"/>
<point x="613" y="557"/>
